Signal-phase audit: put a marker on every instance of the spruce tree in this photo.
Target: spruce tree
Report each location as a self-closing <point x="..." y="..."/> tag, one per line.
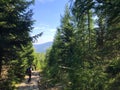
<point x="85" y="53"/>
<point x="60" y="57"/>
<point x="15" y="24"/>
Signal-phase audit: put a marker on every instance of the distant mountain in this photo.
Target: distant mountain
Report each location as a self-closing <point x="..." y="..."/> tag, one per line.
<point x="42" y="47"/>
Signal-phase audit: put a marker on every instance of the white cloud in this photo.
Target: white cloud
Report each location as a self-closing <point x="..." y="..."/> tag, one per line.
<point x="43" y="40"/>
<point x="39" y="28"/>
<point x="48" y="33"/>
<point x="53" y="30"/>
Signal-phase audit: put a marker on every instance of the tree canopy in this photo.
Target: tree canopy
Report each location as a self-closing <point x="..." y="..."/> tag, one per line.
<point x="86" y="51"/>
<point x="16" y="50"/>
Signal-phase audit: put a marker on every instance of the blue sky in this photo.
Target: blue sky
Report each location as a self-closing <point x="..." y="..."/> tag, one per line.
<point x="47" y="14"/>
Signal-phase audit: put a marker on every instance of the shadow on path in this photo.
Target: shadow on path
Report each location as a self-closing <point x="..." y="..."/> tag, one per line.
<point x="32" y="85"/>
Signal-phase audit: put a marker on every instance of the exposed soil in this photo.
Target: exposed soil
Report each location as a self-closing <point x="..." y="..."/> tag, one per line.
<point x="32" y="85"/>
<point x="35" y="83"/>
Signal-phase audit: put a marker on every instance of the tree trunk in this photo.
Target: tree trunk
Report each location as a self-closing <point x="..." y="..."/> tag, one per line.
<point x="0" y="67"/>
<point x="89" y="28"/>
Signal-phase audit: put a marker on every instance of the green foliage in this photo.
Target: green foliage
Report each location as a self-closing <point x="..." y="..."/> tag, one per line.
<point x="85" y="53"/>
<point x="16" y="47"/>
<point x="39" y="61"/>
<point x="114" y="83"/>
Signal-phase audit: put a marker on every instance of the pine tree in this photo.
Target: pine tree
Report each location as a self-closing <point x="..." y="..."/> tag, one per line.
<point x="60" y="57"/>
<point x="85" y="53"/>
<point x="15" y="25"/>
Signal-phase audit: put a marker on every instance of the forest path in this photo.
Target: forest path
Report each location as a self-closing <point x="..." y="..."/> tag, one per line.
<point x="33" y="85"/>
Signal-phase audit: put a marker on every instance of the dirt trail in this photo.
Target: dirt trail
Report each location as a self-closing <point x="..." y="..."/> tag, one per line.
<point x="33" y="85"/>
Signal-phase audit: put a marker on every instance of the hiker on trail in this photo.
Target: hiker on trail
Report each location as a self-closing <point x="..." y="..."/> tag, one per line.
<point x="29" y="72"/>
<point x="34" y="67"/>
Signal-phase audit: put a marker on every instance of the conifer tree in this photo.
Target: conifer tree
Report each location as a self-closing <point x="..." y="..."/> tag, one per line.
<point x="85" y="53"/>
<point x="15" y="25"/>
<point x="60" y="58"/>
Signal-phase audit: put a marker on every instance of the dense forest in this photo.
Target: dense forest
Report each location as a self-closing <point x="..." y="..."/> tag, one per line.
<point x="85" y="54"/>
<point x="86" y="51"/>
<point x="16" y="49"/>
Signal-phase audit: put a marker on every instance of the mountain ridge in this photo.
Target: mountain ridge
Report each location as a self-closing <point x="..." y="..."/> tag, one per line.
<point x="41" y="48"/>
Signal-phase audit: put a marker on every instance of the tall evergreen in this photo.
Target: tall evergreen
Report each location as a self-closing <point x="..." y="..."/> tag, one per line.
<point x="15" y="24"/>
<point x="90" y="59"/>
<point x="60" y="58"/>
